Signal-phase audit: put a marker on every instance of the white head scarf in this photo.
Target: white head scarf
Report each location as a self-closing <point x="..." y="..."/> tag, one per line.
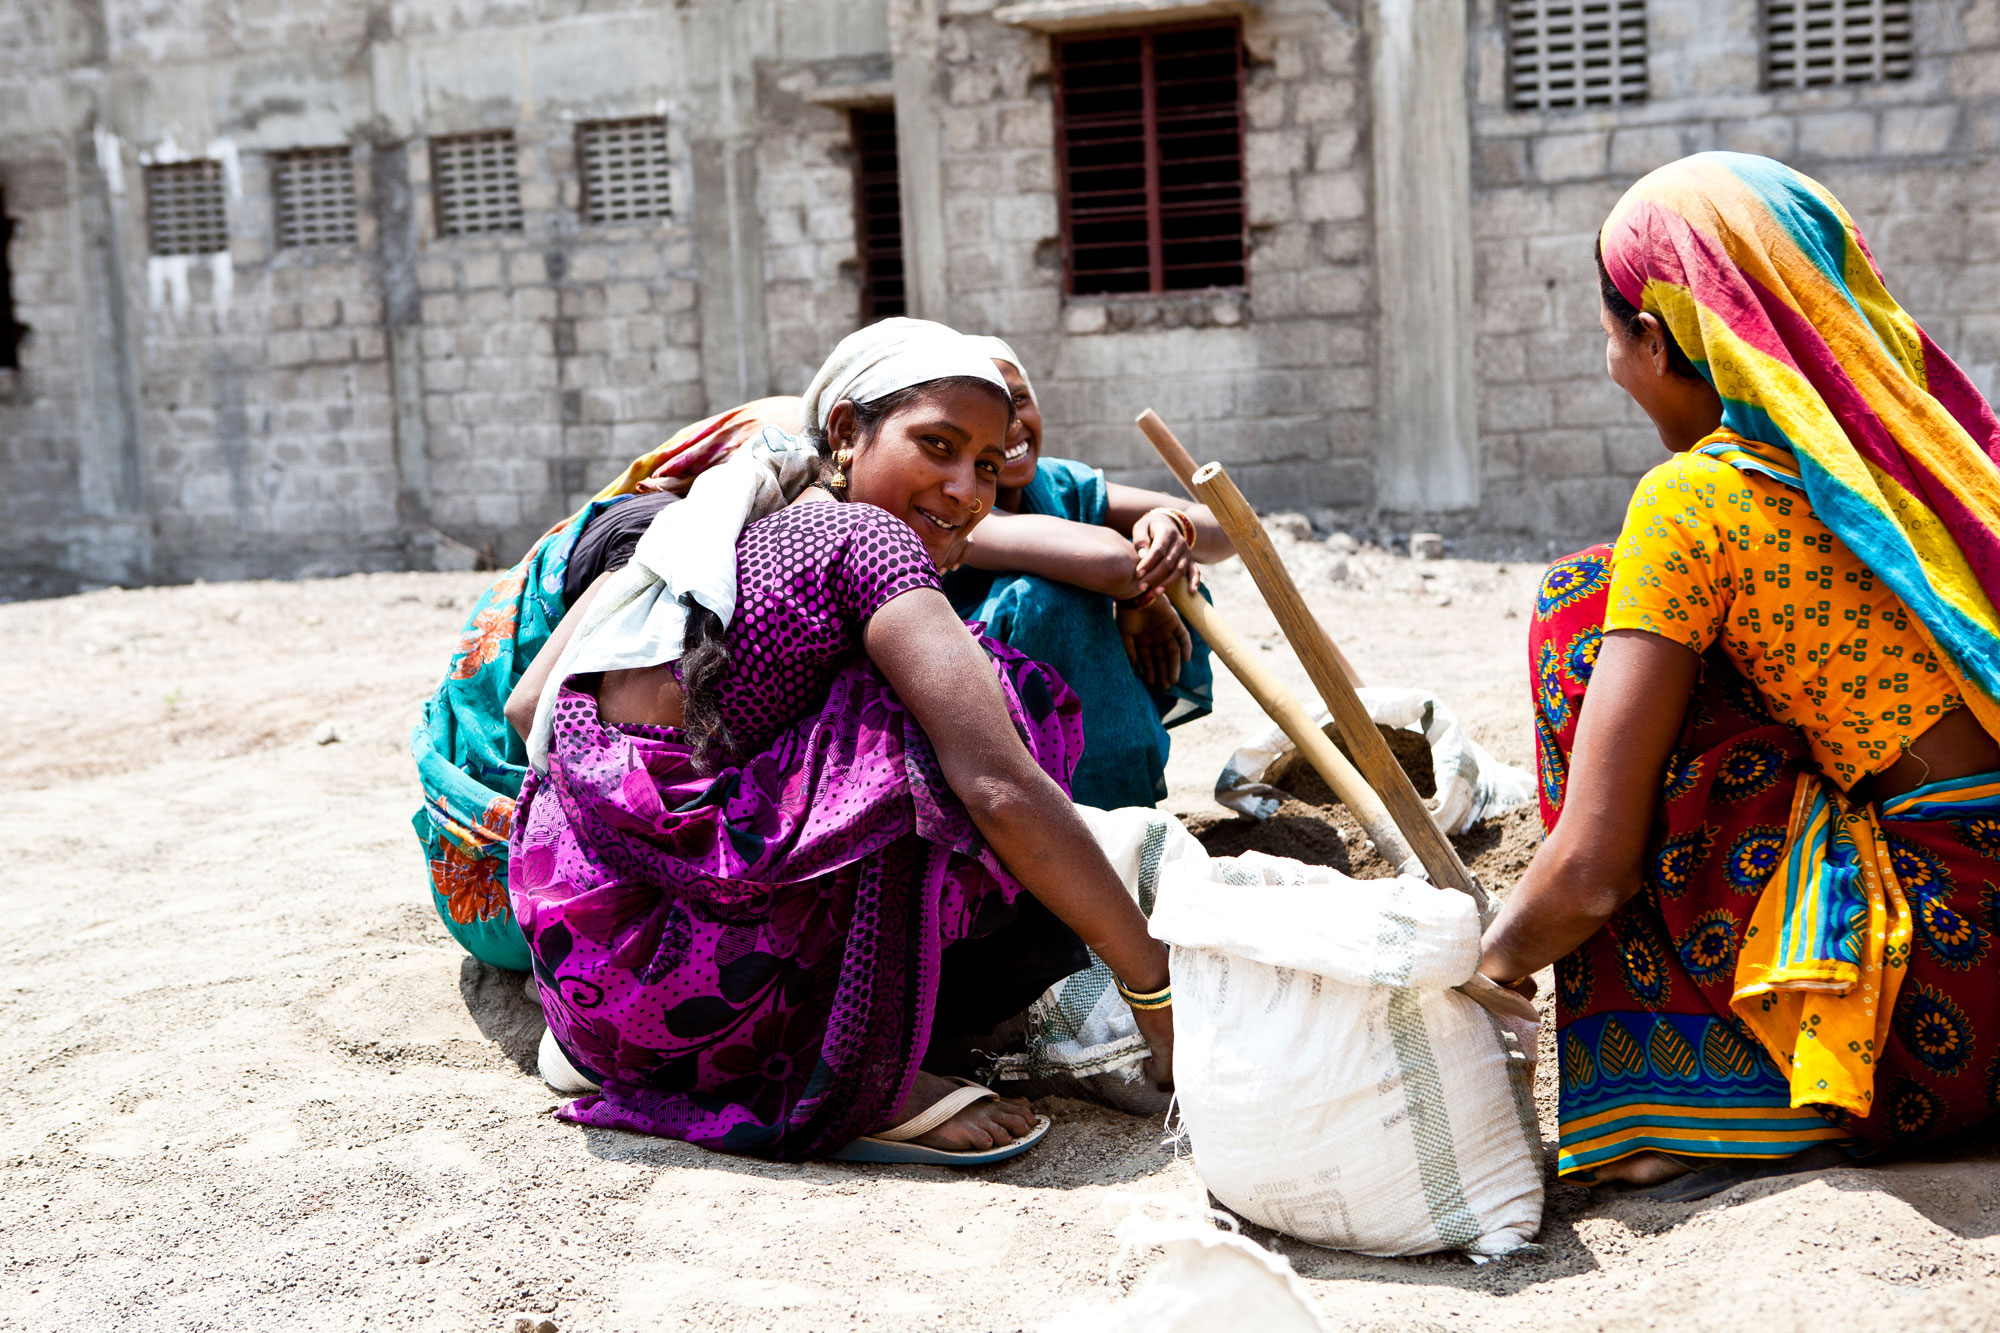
<point x="997" y="350"/>
<point x="894" y="354"/>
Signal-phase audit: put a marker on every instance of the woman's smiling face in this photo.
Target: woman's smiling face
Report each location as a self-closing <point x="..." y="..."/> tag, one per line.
<point x="1024" y="441"/>
<point x="933" y="462"/>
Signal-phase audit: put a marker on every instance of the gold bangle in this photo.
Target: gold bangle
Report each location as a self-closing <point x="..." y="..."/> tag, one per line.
<point x="1181" y="521"/>
<point x="1147" y="1000"/>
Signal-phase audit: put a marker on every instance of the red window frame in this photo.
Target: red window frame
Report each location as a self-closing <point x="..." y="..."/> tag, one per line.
<point x="1177" y="197"/>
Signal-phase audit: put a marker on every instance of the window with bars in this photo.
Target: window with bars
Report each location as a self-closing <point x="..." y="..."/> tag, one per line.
<point x="1818" y="43"/>
<point x="627" y="174"/>
<point x="1572" y="53"/>
<point x="11" y="330"/>
<point x="878" y="211"/>
<point x="313" y="190"/>
<point x="186" y="208"/>
<point x="475" y="183"/>
<point x="1151" y="142"/>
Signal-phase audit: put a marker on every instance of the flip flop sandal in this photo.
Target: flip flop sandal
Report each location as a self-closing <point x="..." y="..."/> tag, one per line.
<point x="892" y="1145"/>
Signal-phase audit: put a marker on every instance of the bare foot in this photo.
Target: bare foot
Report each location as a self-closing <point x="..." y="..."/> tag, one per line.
<point x="1645" y="1168"/>
<point x="994" y="1122"/>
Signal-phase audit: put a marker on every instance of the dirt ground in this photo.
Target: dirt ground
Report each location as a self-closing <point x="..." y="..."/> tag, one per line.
<point x="257" y="1087"/>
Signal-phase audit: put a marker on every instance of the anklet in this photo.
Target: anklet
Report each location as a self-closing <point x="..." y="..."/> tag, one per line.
<point x="1162" y="998"/>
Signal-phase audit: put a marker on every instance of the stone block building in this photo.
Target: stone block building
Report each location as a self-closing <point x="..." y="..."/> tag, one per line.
<point x="305" y="286"/>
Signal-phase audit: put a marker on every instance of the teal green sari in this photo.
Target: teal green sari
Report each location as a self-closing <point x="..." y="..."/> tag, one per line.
<point x="1125" y="721"/>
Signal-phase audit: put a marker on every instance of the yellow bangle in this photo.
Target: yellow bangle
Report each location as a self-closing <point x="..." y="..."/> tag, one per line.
<point x="1160" y="999"/>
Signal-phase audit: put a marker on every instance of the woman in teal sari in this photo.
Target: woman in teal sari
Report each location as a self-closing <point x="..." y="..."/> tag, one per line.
<point x="1071" y="570"/>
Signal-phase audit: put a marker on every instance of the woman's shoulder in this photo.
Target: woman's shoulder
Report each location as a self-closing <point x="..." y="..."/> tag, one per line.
<point x="828" y="524"/>
<point x="1691" y="481"/>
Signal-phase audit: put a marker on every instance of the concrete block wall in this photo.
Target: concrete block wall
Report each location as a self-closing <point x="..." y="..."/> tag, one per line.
<point x="806" y="198"/>
<point x="41" y="500"/>
<point x="1916" y="161"/>
<point x="553" y="356"/>
<point x="1277" y="378"/>
<point x="265" y="420"/>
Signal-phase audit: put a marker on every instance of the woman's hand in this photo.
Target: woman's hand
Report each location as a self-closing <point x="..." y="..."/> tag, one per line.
<point x="1590" y="865"/>
<point x="1156" y="642"/>
<point x="1157" y="1027"/>
<point x="1161" y="552"/>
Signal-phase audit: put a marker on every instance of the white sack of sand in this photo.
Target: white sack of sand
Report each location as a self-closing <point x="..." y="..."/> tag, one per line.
<point x="1333" y="1084"/>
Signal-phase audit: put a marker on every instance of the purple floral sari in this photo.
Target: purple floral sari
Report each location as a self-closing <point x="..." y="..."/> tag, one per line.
<point x="750" y="962"/>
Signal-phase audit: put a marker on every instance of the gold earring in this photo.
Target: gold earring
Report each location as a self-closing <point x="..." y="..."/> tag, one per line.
<point x="841" y="459"/>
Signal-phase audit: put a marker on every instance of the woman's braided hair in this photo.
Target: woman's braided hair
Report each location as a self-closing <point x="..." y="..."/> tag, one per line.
<point x="705" y="657"/>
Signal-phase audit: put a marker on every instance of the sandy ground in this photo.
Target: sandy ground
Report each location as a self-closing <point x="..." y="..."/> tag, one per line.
<point x="257" y="1087"/>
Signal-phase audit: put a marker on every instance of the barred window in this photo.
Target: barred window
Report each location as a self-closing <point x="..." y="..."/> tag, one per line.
<point x="314" y="193"/>
<point x="627" y="175"/>
<point x="1817" y="43"/>
<point x="878" y="207"/>
<point x="1151" y="138"/>
<point x="475" y="182"/>
<point x="186" y="209"/>
<point x="1571" y="53"/>
<point x="11" y="330"/>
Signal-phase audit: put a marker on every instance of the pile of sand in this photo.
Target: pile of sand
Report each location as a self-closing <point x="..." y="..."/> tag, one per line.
<point x="253" y="1085"/>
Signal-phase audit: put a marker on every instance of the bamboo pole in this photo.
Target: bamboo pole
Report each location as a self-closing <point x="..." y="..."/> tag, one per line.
<point x="1322" y="660"/>
<point x="1283" y="707"/>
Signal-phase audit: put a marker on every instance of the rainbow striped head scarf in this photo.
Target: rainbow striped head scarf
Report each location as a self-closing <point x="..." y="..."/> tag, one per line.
<point x="1768" y="287"/>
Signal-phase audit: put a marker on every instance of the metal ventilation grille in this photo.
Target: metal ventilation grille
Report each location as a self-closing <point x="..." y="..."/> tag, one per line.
<point x="878" y="201"/>
<point x="1152" y="159"/>
<point x="1570" y="53"/>
<point x="627" y="175"/>
<point x="186" y="208"/>
<point x="1816" y="43"/>
<point x="475" y="182"/>
<point x="314" y="189"/>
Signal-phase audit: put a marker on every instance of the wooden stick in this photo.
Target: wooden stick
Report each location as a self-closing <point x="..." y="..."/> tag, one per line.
<point x="1371" y="753"/>
<point x="1183" y="465"/>
<point x="1331" y="673"/>
<point x="1171" y="449"/>
<point x="1283" y="707"/>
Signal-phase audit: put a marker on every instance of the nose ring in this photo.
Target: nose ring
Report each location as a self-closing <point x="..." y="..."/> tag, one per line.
<point x="978" y="508"/>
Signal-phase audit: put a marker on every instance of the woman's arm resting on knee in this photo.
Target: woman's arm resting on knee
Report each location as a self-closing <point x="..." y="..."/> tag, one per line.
<point x="1592" y="863"/>
<point x="1083" y="555"/>
<point x="948" y="685"/>
<point x="1128" y="504"/>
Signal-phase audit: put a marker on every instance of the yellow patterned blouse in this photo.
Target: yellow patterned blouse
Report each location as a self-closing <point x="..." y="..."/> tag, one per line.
<point x="1710" y="551"/>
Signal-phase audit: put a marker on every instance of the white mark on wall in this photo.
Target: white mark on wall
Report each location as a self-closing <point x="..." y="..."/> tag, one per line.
<point x="168" y="150"/>
<point x="527" y="81"/>
<point x="221" y="285"/>
<point x="110" y="159"/>
<point x="167" y="283"/>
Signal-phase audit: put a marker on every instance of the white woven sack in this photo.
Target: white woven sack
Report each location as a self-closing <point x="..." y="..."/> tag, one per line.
<point x="1333" y="1085"/>
<point x="1471" y="784"/>
<point x="1082" y="1040"/>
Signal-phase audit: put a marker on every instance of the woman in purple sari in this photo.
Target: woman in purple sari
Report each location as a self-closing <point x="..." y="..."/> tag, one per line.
<point x="754" y="879"/>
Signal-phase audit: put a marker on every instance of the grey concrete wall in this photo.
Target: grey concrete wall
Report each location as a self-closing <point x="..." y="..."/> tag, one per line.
<point x="318" y="410"/>
<point x="1277" y="380"/>
<point x="1916" y="161"/>
<point x="285" y="412"/>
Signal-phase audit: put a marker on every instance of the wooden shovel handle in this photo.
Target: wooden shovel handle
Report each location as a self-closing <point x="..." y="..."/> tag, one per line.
<point x="1283" y="708"/>
<point x="1212" y="486"/>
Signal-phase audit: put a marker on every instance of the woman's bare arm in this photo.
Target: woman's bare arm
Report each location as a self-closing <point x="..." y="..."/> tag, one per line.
<point x="527" y="691"/>
<point x="1593" y="861"/>
<point x="1128" y="504"/>
<point x="1084" y="555"/>
<point x="948" y="685"/>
